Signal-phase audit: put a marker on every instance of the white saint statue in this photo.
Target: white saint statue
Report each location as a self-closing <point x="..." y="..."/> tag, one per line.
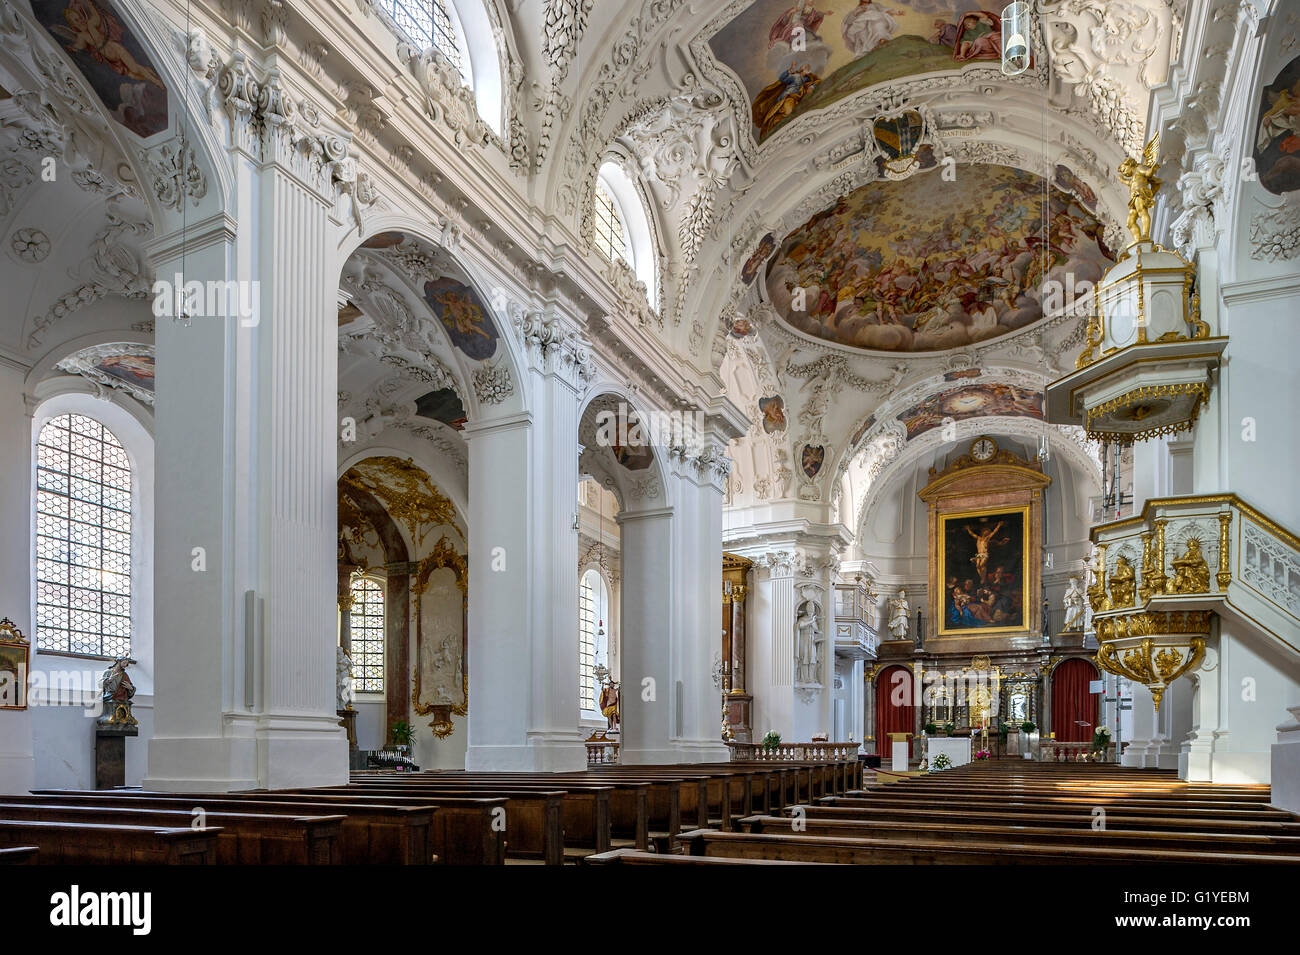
<point x="807" y="632"/>
<point x="866" y="27"/>
<point x="899" y="613"/>
<point x="1074" y="606"/>
<point x="343" y="679"/>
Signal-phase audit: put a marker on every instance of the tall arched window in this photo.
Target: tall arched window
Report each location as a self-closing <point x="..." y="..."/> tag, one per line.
<point x="611" y="234"/>
<point x="622" y="228"/>
<point x="83" y="539"/>
<point x="593" y="638"/>
<point x="430" y="23"/>
<point x="367" y="635"/>
<point x="587" y="642"/>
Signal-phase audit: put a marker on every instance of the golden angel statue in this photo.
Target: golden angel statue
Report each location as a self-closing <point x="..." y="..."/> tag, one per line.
<point x="1142" y="188"/>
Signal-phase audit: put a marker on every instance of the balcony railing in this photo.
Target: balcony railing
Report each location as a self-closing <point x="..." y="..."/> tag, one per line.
<point x="794" y="752"/>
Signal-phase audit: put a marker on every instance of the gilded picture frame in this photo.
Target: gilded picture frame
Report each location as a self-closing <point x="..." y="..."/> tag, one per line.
<point x="983" y="561"/>
<point x="13" y="675"/>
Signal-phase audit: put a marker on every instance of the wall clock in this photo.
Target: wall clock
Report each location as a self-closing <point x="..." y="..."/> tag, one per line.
<point x="983" y="449"/>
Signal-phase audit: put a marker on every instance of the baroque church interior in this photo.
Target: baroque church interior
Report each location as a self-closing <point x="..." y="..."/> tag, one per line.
<point x="650" y="431"/>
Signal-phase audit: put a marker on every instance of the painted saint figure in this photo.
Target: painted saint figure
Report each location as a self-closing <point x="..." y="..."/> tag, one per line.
<point x="778" y="100"/>
<point x="868" y="26"/>
<point x="803" y="18"/>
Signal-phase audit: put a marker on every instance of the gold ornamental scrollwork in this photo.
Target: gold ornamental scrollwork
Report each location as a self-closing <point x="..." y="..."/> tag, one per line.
<point x="1153" y="648"/>
<point x="1135" y="402"/>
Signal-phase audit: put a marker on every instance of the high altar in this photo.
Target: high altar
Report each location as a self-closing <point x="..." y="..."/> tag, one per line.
<point x="983" y="659"/>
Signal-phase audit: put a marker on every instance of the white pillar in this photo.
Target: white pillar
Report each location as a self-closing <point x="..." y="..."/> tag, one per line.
<point x="648" y="708"/>
<point x="697" y="630"/>
<point x="17" y="762"/>
<point x="246" y="461"/>
<point x="500" y="592"/>
<point x="771" y="646"/>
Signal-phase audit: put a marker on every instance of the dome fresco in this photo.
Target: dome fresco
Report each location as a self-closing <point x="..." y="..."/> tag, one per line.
<point x="928" y="264"/>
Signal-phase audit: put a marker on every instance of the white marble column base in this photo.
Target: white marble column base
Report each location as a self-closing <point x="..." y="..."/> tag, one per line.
<point x="17" y="773"/>
<point x="536" y="756"/>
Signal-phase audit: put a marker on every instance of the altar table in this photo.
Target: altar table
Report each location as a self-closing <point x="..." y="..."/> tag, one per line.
<point x="957" y="749"/>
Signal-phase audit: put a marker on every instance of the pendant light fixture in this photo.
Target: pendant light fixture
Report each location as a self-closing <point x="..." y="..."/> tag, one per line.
<point x="1015" y="38"/>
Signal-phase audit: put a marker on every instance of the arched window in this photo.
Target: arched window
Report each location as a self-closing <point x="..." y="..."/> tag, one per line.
<point x="83" y="539"/>
<point x="593" y="638"/>
<point x="430" y="23"/>
<point x="367" y="634"/>
<point x="587" y="642"/>
<point x="611" y="234"/>
<point x="622" y="228"/>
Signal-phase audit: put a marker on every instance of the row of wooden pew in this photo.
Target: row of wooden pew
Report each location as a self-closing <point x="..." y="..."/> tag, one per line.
<point x="413" y="819"/>
<point x="1008" y="813"/>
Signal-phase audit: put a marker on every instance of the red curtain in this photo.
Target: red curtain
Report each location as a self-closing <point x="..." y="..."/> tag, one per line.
<point x="1074" y="709"/>
<point x="894" y="684"/>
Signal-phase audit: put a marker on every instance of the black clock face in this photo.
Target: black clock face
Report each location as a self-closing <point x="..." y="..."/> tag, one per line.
<point x="983" y="449"/>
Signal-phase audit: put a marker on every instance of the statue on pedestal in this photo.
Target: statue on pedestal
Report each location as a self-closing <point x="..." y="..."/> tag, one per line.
<point x="609" y="698"/>
<point x="117" y="691"/>
<point x="807" y="633"/>
<point x="900" y="612"/>
<point x="343" y="678"/>
<point x="1074" y="606"/>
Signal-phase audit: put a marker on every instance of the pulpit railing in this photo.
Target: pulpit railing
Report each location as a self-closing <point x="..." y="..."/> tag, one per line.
<point x="794" y="752"/>
<point x="1157" y="578"/>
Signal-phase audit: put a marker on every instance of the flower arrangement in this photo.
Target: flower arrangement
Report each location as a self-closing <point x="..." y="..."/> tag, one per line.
<point x="1003" y="729"/>
<point x="940" y="762"/>
<point x="1100" y="738"/>
<point x="983" y="754"/>
<point x="931" y="729"/>
<point x="1027" y="727"/>
<point x="771" y="741"/>
<point x="948" y="728"/>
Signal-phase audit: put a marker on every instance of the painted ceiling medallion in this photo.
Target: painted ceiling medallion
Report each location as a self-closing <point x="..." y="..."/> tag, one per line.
<point x="793" y="56"/>
<point x="926" y="264"/>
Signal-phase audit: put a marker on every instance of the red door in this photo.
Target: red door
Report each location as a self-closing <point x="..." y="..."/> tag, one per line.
<point x="895" y="709"/>
<point x="1074" y="709"/>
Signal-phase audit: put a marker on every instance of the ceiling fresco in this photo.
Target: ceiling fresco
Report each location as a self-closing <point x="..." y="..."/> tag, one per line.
<point x="971" y="401"/>
<point x="927" y="264"/>
<point x="112" y="59"/>
<point x="793" y="57"/>
<point x="1277" y="132"/>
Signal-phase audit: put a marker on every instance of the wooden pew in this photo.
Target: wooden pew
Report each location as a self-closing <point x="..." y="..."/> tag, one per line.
<point x="1002" y="851"/>
<point x="245" y="838"/>
<point x="636" y="857"/>
<point x="19" y="855"/>
<point x="534" y="826"/>
<point x="91" y="843"/>
<point x="948" y="833"/>
<point x="1151" y="821"/>
<point x="372" y="833"/>
<point x="585" y="809"/>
